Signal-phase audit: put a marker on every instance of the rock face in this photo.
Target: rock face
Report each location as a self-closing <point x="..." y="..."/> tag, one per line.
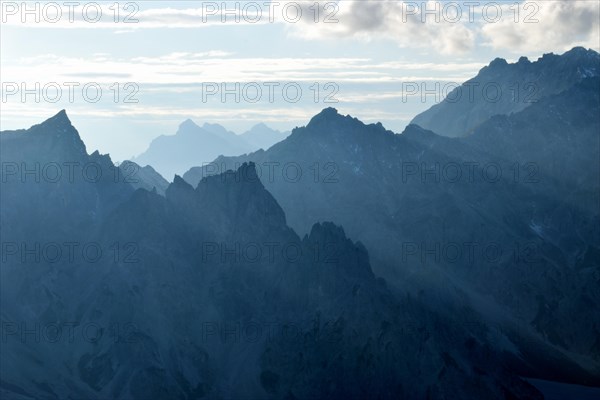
<point x="502" y="88"/>
<point x="206" y="292"/>
<point x="194" y="145"/>
<point x="505" y="220"/>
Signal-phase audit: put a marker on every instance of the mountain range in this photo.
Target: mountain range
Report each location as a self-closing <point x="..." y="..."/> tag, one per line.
<point x="503" y="88"/>
<point x="450" y="261"/>
<point x="161" y="315"/>
<point x="192" y="145"/>
<point x="429" y="208"/>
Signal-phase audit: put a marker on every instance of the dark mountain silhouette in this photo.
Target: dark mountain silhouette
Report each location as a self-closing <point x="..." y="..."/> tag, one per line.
<point x="421" y="203"/>
<point x="173" y="309"/>
<point x="503" y="88"/>
<point x="477" y="261"/>
<point x="48" y="166"/>
<point x="557" y="136"/>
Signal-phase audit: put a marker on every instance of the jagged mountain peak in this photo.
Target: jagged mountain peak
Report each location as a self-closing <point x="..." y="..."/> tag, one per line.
<point x="248" y="170"/>
<point x="179" y="189"/>
<point x="580" y="51"/>
<point x="498" y="63"/>
<point x="101" y="159"/>
<point x="414" y="130"/>
<point x="230" y="203"/>
<point x="353" y="257"/>
<point x="519" y="85"/>
<point x="217" y="129"/>
<point x="327" y="228"/>
<point x="260" y="129"/>
<point x="327" y="114"/>
<point x="329" y="111"/>
<point x="575" y="55"/>
<point x="60" y="117"/>
<point x="60" y="122"/>
<point x="330" y="121"/>
<point x="56" y="135"/>
<point x="262" y="136"/>
<point x="178" y="181"/>
<point x="245" y="173"/>
<point x="143" y="177"/>
<point x="187" y="125"/>
<point x="259" y="126"/>
<point x="191" y="145"/>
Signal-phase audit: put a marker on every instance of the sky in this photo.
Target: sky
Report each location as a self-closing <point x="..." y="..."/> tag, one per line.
<point x="127" y="72"/>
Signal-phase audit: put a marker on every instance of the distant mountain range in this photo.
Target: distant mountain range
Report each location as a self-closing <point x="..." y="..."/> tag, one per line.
<point x="143" y="177"/>
<point x="192" y="145"/>
<point x="344" y="261"/>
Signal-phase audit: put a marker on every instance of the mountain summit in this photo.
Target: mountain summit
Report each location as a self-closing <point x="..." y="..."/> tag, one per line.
<point x="55" y="139"/>
<point x="181" y="271"/>
<point x="406" y="196"/>
<point x="196" y="145"/>
<point x="503" y="88"/>
<point x="59" y="120"/>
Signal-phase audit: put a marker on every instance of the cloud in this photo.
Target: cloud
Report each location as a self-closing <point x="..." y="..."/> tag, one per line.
<point x="547" y="26"/>
<point x="131" y="16"/>
<point x="367" y="20"/>
<point x="531" y="27"/>
<point x="405" y="23"/>
<point x="193" y="68"/>
<point x="449" y="28"/>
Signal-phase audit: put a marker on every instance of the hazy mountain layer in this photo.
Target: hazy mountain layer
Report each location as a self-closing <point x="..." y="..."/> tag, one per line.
<point x="207" y="293"/>
<point x="143" y="177"/>
<point x="194" y="145"/>
<point x="489" y="221"/>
